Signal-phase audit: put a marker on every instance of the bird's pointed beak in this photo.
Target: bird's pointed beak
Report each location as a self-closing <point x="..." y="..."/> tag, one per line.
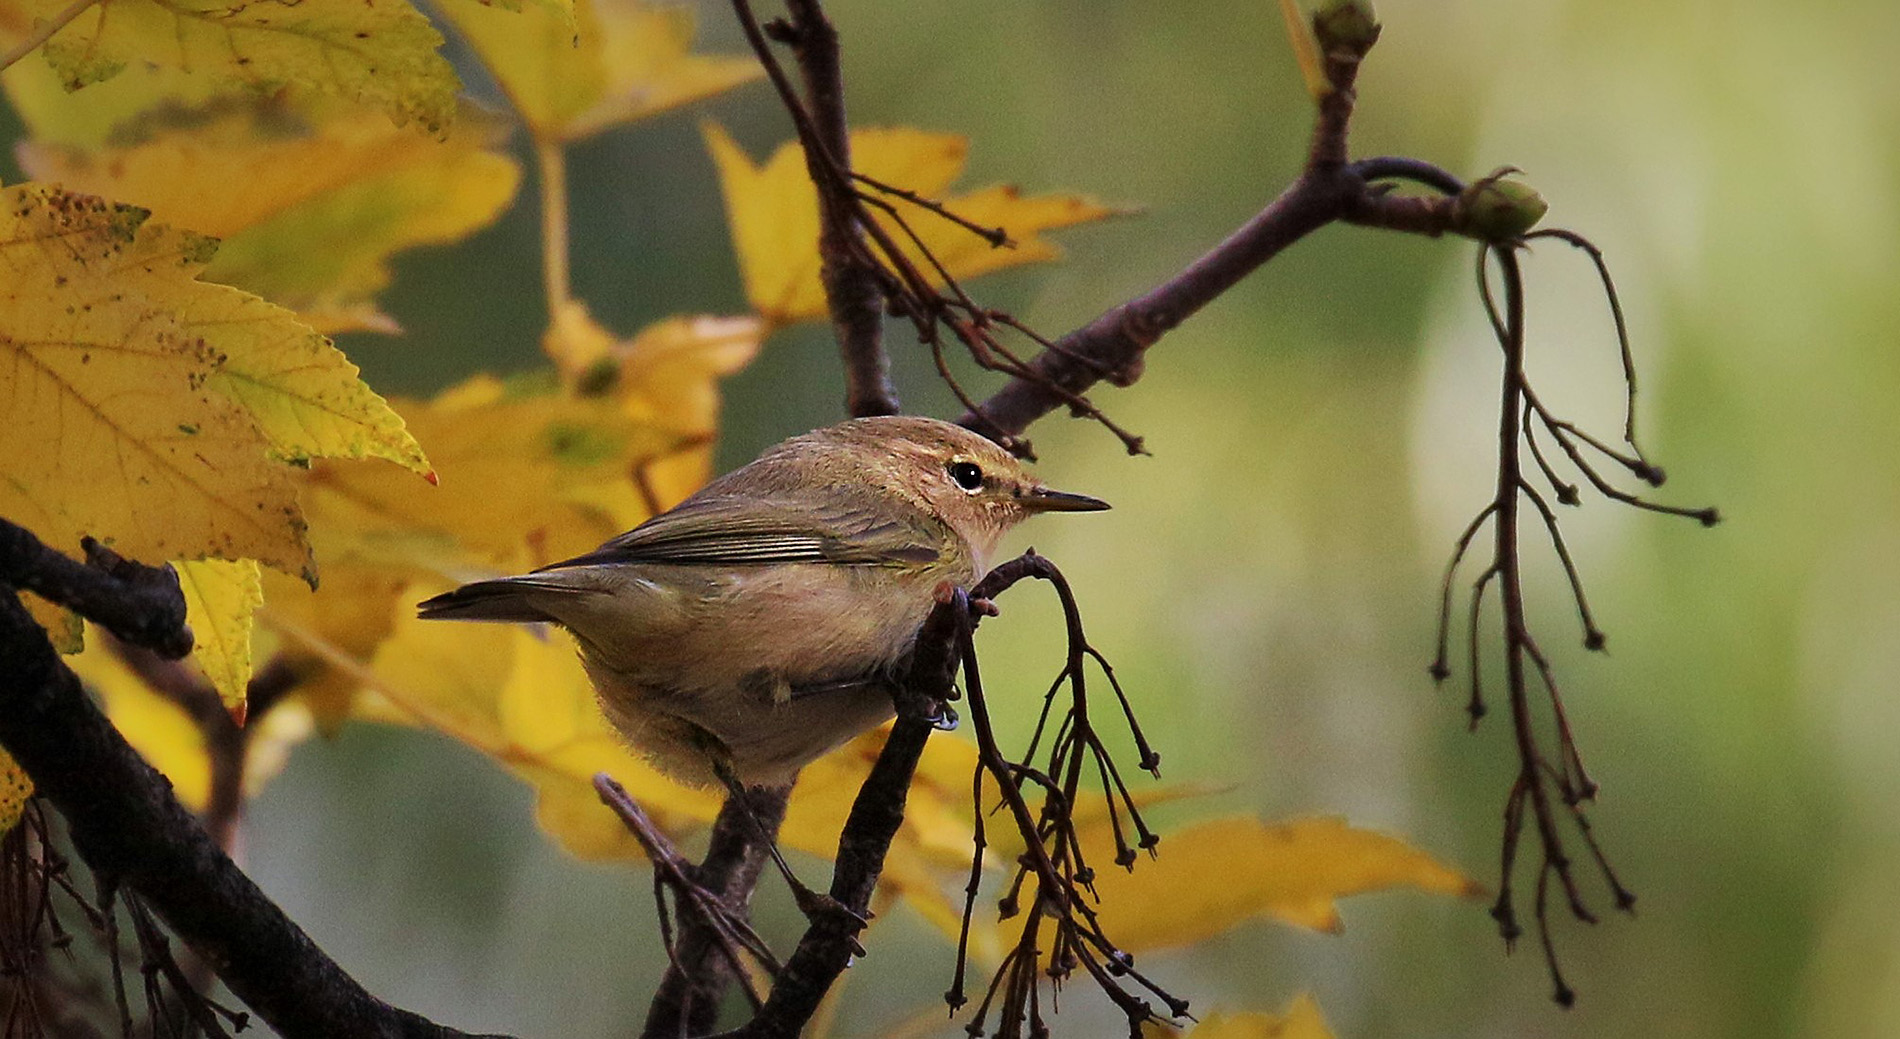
<point x="1042" y="499"/>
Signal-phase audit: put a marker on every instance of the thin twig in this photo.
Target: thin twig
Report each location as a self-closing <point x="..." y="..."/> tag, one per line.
<point x="996" y="236"/>
<point x="1616" y="312"/>
<point x="713" y="921"/>
<point x="1115" y="341"/>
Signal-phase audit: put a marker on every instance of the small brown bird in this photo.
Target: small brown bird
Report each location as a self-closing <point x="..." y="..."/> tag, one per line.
<point x="759" y="623"/>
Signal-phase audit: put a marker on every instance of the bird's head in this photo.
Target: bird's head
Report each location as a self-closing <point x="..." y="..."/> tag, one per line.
<point x="975" y="487"/>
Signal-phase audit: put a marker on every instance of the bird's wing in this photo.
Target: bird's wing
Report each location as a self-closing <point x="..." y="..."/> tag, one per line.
<point x="734" y="531"/>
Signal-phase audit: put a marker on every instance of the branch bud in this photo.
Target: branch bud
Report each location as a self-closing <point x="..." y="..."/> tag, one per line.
<point x="1346" y="23"/>
<point x="1497" y="209"/>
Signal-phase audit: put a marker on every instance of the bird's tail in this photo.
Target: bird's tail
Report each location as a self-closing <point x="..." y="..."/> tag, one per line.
<point x="504" y="599"/>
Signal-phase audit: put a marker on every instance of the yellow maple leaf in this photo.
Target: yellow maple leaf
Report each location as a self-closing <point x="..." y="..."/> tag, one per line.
<point x="155" y="411"/>
<point x="612" y="62"/>
<point x="1300" y="1020"/>
<point x="1290" y="871"/>
<point x="221" y="598"/>
<point x="146" y="407"/>
<point x="380" y="52"/>
<point x="773" y="211"/>
<point x="15" y="788"/>
<point x="313" y="199"/>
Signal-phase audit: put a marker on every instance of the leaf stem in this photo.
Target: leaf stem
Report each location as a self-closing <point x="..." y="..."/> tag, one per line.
<point x="551" y="158"/>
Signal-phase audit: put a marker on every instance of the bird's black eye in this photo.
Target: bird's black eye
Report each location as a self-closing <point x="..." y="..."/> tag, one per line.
<point x="967" y="475"/>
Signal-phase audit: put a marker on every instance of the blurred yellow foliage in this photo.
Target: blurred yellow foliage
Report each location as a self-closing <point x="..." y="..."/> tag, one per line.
<point x="113" y="113"/>
<point x="666" y="376"/>
<point x="314" y="196"/>
<point x="520" y="696"/>
<point x="1291" y="871"/>
<point x="567" y="463"/>
<point x="160" y="730"/>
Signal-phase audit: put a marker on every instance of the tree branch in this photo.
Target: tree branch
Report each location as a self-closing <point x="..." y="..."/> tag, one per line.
<point x="227" y="743"/>
<point x="852" y="288"/>
<point x="128" y="827"/>
<point x="853" y="285"/>
<point x="139" y="604"/>
<point x="1112" y="346"/>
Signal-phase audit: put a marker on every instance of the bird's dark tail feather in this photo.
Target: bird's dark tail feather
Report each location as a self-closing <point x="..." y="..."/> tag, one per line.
<point x="506" y="599"/>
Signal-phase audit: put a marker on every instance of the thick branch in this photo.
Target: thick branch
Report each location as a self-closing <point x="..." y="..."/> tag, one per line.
<point x="139" y="604"/>
<point x="852" y="286"/>
<point x="1111" y="346"/>
<point x="128" y="826"/>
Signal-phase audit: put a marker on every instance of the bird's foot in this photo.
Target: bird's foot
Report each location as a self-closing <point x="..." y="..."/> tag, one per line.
<point x="825" y="911"/>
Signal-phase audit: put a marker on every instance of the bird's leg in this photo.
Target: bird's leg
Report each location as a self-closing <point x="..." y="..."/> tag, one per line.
<point x="730" y="932"/>
<point x="817" y="906"/>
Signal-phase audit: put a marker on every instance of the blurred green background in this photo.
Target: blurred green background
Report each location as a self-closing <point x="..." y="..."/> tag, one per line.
<point x="1266" y="583"/>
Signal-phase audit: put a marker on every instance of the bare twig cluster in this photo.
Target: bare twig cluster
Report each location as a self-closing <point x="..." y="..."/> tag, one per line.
<point x="51" y="986"/>
<point x="1053" y="878"/>
<point x="1551" y="783"/>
